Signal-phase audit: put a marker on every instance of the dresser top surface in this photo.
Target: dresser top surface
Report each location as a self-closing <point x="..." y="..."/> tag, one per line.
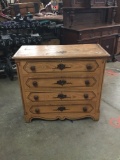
<point x="61" y="51"/>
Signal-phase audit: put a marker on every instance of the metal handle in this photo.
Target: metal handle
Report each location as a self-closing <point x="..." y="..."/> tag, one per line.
<point x="36" y="97"/>
<point x="61" y="66"/>
<point x="89" y="67"/>
<point x="37" y="110"/>
<point x="84" y="109"/>
<point x="32" y="68"/>
<point x="35" y="84"/>
<point x="61" y="82"/>
<point x="86" y="96"/>
<point x="61" y="109"/>
<point x="62" y="96"/>
<point x="87" y="82"/>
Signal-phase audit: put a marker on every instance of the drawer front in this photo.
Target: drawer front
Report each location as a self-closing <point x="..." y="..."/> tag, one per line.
<point x="36" y="109"/>
<point x="107" y="32"/>
<point x="38" y="83"/>
<point x="89" y="34"/>
<point x="60" y="66"/>
<point x="90" y="41"/>
<point x="58" y="96"/>
<point x="115" y="30"/>
<point x="110" y="31"/>
<point x="85" y="35"/>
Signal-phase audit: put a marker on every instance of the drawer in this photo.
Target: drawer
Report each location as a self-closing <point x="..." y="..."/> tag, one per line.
<point x="73" y="108"/>
<point x="58" y="96"/>
<point x="90" y="41"/>
<point x="107" y="32"/>
<point x="86" y="35"/>
<point x="42" y="83"/>
<point x="89" y="34"/>
<point x="59" y="66"/>
<point x="115" y="30"/>
<point x="97" y="33"/>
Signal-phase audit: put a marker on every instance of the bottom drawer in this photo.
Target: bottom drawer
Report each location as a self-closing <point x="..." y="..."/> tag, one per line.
<point x="75" y="108"/>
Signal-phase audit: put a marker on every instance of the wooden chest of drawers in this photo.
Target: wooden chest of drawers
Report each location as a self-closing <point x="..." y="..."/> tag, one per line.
<point x="61" y="82"/>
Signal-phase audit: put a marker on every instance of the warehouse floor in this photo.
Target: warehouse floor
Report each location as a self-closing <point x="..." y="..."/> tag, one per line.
<point x="61" y="140"/>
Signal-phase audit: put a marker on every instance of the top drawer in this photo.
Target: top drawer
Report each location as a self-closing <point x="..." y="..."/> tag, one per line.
<point x="59" y="66"/>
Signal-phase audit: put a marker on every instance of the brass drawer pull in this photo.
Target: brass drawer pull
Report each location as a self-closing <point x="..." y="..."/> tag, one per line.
<point x="62" y="96"/>
<point x="84" y="109"/>
<point x="86" y="96"/>
<point x="36" y="98"/>
<point x="33" y="68"/>
<point x="62" y="66"/>
<point x="61" y="82"/>
<point x="87" y="82"/>
<point x="35" y="84"/>
<point x="61" y="109"/>
<point x="89" y="67"/>
<point x="37" y="111"/>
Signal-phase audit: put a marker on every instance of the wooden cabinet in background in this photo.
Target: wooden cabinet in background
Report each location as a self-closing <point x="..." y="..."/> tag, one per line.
<point x="106" y="36"/>
<point x="23" y="8"/>
<point x="91" y="21"/>
<point x="84" y="17"/>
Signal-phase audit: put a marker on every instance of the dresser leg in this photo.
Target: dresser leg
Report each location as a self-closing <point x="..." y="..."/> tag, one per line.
<point x="96" y="117"/>
<point x="27" y="119"/>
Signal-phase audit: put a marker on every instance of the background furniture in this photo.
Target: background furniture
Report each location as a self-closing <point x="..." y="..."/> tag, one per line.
<point x="117" y="17"/>
<point x="62" y="81"/>
<point x="23" y="8"/>
<point x="91" y="22"/>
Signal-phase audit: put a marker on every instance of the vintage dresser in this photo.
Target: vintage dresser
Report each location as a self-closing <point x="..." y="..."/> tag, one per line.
<point x="61" y="81"/>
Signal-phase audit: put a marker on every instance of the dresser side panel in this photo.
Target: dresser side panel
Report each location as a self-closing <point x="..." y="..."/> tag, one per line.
<point x="101" y="78"/>
<point x="20" y="78"/>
